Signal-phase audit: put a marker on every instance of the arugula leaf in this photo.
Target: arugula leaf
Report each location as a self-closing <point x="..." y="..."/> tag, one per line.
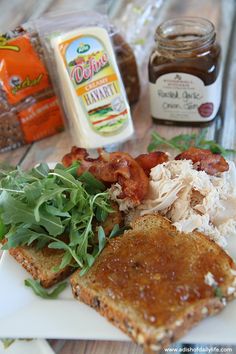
<point x="16" y="237"/>
<point x="157" y="141"/>
<point x="200" y="137"/>
<point x="90" y="260"/>
<point x="40" y="205"/>
<point x="73" y="168"/>
<point x="67" y="179"/>
<point x="2" y="229"/>
<point x="52" y="210"/>
<point x="91" y="184"/>
<point x="101" y="214"/>
<point x="58" y="245"/>
<point x="117" y="231"/>
<point x="7" y="342"/>
<point x="114" y="231"/>
<point x="44" y="198"/>
<point x="5" y="169"/>
<point x="183" y="142"/>
<point x="218" y="292"/>
<point x="33" y="192"/>
<point x="101" y="239"/>
<point x="16" y="211"/>
<point x="66" y="259"/>
<point x="40" y="291"/>
<point x="41" y="170"/>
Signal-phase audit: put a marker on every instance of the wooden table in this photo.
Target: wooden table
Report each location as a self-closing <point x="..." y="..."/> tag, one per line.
<point x="223" y="130"/>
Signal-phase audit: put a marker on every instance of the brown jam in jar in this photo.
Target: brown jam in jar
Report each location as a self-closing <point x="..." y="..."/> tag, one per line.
<point x="184" y="73"/>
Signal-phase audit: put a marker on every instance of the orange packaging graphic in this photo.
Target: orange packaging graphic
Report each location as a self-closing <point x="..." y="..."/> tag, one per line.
<point x="41" y="120"/>
<point x="29" y="109"/>
<point x="22" y="73"/>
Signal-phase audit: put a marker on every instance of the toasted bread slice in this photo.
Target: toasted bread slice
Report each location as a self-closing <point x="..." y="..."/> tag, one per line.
<point x="155" y="283"/>
<point x="40" y="264"/>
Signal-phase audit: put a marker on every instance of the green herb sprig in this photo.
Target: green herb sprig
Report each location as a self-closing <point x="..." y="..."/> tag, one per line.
<point x="7" y="342"/>
<point x="41" y="205"/>
<point x="218" y="292"/>
<point x="40" y="291"/>
<point x="183" y="142"/>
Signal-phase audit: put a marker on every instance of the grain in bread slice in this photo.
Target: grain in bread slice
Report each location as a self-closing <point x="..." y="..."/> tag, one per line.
<point x="41" y="264"/>
<point x="155" y="283"/>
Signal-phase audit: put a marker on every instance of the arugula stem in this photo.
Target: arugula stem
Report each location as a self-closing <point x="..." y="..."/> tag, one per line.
<point x="56" y="174"/>
<point x="183" y="142"/>
<point x="88" y="227"/>
<point x="68" y="249"/>
<point x="162" y="140"/>
<point x="40" y="212"/>
<point x="11" y="190"/>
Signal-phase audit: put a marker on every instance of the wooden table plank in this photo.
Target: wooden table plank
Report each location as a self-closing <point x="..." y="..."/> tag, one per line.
<point x="98" y="347"/>
<point x="227" y="135"/>
<point x="48" y="150"/>
<point x="14" y="157"/>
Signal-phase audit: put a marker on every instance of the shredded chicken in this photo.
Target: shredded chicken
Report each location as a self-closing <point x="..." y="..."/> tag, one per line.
<point x="194" y="200"/>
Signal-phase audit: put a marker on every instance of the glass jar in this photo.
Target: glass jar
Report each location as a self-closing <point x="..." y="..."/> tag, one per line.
<point x="184" y="73"/>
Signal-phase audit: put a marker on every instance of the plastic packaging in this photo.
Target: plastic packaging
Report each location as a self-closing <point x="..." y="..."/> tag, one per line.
<point x="79" y="51"/>
<point x="29" y="94"/>
<point x="29" y="109"/>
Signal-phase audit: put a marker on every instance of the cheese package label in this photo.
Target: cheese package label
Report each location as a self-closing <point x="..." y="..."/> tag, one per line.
<point x="96" y="83"/>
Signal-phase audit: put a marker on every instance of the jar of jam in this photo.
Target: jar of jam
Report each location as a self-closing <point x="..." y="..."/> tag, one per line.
<point x="184" y="72"/>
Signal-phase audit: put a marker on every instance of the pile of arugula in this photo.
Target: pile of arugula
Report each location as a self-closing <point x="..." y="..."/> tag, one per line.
<point x="183" y="142"/>
<point x="40" y="205"/>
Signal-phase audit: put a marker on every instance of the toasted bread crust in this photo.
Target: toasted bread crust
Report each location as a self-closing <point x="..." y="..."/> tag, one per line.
<point x="125" y="315"/>
<point x="40" y="265"/>
<point x="151" y="339"/>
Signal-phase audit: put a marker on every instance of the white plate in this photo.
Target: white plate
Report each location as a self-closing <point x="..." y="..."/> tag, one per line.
<point x="24" y="315"/>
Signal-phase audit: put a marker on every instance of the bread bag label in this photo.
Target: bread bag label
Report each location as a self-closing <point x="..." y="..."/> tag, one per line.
<point x="41" y="119"/>
<point x="29" y="109"/>
<point x="95" y="82"/>
<point x="22" y="73"/>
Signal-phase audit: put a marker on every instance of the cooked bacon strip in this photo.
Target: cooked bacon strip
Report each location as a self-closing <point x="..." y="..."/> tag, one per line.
<point x="116" y="167"/>
<point x="205" y="160"/>
<point x="148" y="161"/>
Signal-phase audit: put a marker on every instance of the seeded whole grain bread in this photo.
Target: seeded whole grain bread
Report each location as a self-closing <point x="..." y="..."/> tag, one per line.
<point x="155" y="283"/>
<point x="40" y="263"/>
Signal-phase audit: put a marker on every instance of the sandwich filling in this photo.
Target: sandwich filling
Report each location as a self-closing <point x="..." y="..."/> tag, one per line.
<point x="192" y="199"/>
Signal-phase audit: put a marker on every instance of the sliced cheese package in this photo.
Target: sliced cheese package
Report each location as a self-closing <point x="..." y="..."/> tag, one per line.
<point x="86" y="72"/>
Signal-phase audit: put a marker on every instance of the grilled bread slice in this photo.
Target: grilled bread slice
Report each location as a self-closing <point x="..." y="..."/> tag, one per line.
<point x="155" y="283"/>
<point x="41" y="263"/>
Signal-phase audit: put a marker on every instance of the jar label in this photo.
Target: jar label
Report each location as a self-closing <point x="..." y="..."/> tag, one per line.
<point x="184" y="97"/>
<point x="95" y="82"/>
